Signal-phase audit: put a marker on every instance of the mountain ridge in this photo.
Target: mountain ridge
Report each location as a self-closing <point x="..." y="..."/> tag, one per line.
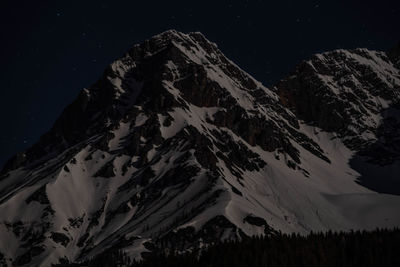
<point x="175" y="147"/>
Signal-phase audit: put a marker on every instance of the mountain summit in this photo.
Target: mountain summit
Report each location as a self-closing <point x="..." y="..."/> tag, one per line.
<point x="175" y="147"/>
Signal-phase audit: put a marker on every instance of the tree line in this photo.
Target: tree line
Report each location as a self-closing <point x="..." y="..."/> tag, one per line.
<point x="380" y="247"/>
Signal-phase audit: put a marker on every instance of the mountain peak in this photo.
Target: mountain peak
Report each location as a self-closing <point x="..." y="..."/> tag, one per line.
<point x="348" y="82"/>
<point x="168" y="38"/>
<point x="174" y="34"/>
<point x="142" y="72"/>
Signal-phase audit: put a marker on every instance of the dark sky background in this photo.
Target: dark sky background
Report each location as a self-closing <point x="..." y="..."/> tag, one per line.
<point x="50" y="50"/>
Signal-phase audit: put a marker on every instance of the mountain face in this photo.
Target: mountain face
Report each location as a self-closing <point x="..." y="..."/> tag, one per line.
<point x="175" y="147"/>
<point x="356" y="95"/>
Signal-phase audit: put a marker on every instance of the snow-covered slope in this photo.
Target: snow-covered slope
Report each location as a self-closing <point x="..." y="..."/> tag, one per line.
<point x="175" y="147"/>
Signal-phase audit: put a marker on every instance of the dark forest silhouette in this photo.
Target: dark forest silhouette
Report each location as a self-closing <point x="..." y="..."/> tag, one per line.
<point x="355" y="248"/>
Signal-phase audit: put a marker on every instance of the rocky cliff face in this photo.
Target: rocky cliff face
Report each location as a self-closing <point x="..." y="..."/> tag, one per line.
<point x="343" y="91"/>
<point x="175" y="147"/>
<point x="354" y="94"/>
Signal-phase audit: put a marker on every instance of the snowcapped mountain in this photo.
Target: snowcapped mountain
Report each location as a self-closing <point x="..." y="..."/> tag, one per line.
<point x="175" y="147"/>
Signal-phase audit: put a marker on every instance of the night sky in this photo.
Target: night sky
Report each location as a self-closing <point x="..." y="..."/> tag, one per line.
<point x="50" y="50"/>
